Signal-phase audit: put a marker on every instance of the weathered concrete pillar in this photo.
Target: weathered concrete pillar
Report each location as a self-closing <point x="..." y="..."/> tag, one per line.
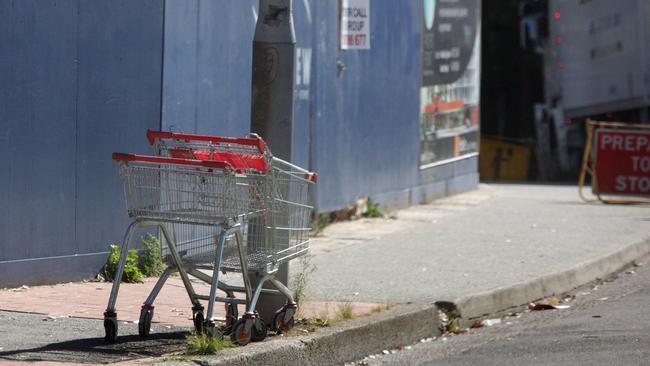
<point x="272" y="100"/>
<point x="273" y="76"/>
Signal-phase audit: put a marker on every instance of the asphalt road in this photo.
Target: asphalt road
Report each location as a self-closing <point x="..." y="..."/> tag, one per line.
<point x="34" y="337"/>
<point x="607" y="324"/>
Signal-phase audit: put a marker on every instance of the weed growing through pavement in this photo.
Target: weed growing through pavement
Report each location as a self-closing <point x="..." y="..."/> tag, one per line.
<point x="311" y="324"/>
<point x="380" y="308"/>
<point x="203" y="344"/>
<point x="453" y="326"/>
<point x="150" y="257"/>
<point x="364" y="207"/>
<point x="301" y="279"/>
<point x="450" y="322"/>
<point x="373" y="209"/>
<point x="319" y="222"/>
<point x="131" y="273"/>
<point x="147" y="263"/>
<point x="344" y="311"/>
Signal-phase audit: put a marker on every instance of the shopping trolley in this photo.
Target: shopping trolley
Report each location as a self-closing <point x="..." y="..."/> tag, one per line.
<point x="235" y="210"/>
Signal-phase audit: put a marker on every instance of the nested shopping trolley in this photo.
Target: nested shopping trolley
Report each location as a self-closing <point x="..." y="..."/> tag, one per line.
<point x="222" y="205"/>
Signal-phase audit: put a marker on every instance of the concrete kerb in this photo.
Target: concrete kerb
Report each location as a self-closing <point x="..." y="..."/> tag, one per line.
<point x="479" y="305"/>
<point x="408" y="324"/>
<point x="336" y="345"/>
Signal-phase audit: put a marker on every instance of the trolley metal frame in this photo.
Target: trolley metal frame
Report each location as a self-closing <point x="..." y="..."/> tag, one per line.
<point x="250" y="326"/>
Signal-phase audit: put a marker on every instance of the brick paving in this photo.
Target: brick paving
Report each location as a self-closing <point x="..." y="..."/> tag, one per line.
<point x="172" y="307"/>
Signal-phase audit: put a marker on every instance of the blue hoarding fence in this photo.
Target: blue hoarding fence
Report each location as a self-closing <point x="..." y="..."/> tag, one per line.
<point x="83" y="79"/>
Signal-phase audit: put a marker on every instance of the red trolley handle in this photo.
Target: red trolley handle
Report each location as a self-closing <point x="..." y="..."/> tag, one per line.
<point x="176" y="161"/>
<point x="258" y="142"/>
<point x="311" y="177"/>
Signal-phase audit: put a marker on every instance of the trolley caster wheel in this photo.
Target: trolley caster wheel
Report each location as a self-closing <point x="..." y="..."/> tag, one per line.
<point x="110" y="328"/>
<point x="282" y="322"/>
<point x="259" y="330"/>
<point x="212" y="331"/>
<point x="231" y="316"/>
<point x="144" y="323"/>
<point x="239" y="335"/>
<point x="199" y="321"/>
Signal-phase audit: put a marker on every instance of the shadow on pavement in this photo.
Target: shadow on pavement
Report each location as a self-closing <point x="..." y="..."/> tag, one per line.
<point x="94" y="350"/>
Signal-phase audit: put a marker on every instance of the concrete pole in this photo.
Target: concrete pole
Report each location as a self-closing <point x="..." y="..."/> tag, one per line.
<point x="274" y="47"/>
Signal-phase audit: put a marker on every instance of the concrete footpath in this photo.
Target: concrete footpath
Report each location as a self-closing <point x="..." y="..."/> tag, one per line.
<point x="477" y="253"/>
<point x="479" y="243"/>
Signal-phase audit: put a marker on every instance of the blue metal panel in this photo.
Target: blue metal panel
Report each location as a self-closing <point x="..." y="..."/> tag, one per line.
<point x="37" y="101"/>
<point x="120" y="48"/>
<point x="83" y="79"/>
<point x="80" y="80"/>
<point x="365" y="125"/>
<point x="180" y="65"/>
<point x="207" y="68"/>
<point x="224" y="72"/>
<point x="328" y="131"/>
<point x="50" y="270"/>
<point x="207" y="65"/>
<point x="363" y="129"/>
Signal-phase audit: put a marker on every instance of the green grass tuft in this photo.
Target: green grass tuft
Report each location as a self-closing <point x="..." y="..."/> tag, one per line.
<point x="300" y="280"/>
<point x="380" y="308"/>
<point x="202" y="344"/>
<point x="131" y="273"/>
<point x="147" y="263"/>
<point x="373" y="210"/>
<point x="311" y="324"/>
<point x="150" y="258"/>
<point x="344" y="311"/>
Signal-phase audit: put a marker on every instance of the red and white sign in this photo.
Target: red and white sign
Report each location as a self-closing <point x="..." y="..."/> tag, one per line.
<point x="355" y="25"/>
<point x="623" y="162"/>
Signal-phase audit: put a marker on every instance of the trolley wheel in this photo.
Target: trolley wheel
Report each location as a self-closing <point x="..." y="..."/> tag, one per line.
<point x="144" y="323"/>
<point x="259" y="330"/>
<point x="231" y="316"/>
<point x="282" y="324"/>
<point x="110" y="329"/>
<point x="199" y="320"/>
<point x="239" y="335"/>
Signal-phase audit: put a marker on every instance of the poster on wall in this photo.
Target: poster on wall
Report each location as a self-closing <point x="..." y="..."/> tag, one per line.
<point x="355" y="24"/>
<point x="450" y="90"/>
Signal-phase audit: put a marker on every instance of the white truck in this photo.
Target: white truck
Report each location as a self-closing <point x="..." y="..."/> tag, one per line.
<point x="596" y="65"/>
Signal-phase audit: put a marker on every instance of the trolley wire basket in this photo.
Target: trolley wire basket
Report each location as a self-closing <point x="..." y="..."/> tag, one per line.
<point x="181" y="190"/>
<point x="231" y="206"/>
<point x="282" y="231"/>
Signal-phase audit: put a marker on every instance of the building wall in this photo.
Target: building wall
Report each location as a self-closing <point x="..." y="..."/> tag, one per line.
<point x="79" y="81"/>
<point x="365" y="119"/>
<point x="208" y="63"/>
<point x="84" y="79"/>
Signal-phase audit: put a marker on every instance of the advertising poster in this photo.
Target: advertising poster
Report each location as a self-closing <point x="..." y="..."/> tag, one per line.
<point x="450" y="90"/>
